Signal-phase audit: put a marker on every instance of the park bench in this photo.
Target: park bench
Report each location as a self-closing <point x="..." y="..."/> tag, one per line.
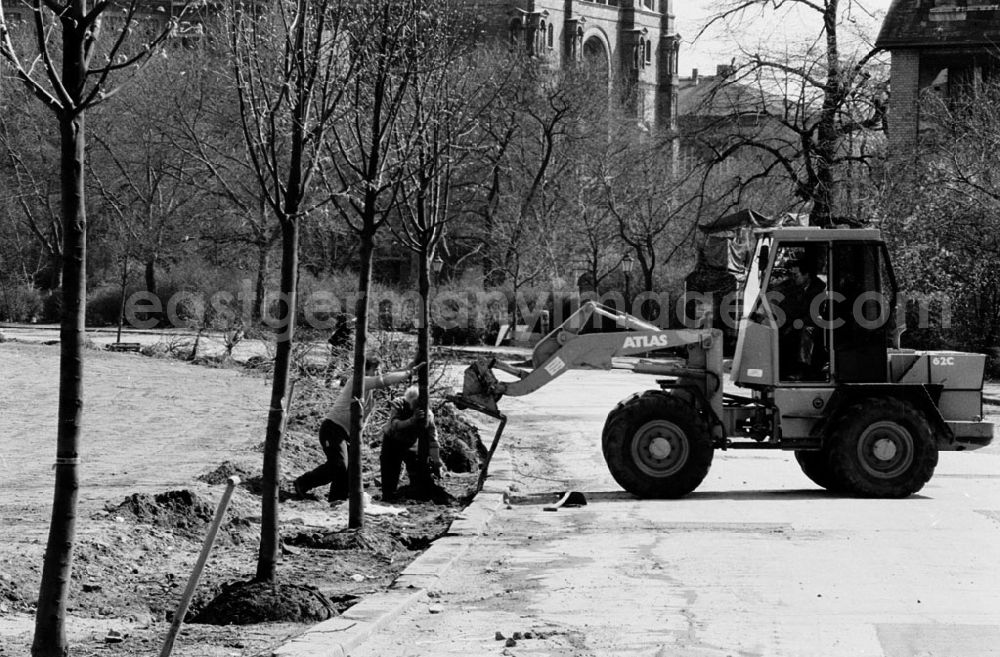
<point x="123" y="346"/>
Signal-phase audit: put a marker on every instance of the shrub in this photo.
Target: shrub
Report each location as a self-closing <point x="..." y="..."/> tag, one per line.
<point x="52" y="306"/>
<point x="104" y="305"/>
<point x="20" y="303"/>
<point x="459" y="335"/>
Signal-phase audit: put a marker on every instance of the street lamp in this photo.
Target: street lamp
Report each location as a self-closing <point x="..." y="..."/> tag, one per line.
<point x="627" y="263"/>
<point x="437" y="264"/>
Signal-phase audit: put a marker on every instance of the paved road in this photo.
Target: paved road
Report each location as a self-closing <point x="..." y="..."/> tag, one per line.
<point x="758" y="561"/>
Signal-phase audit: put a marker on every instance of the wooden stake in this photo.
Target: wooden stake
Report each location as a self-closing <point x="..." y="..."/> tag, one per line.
<point x="206" y="548"/>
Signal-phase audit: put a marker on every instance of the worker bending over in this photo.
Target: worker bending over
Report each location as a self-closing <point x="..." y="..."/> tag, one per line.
<point x="410" y="437"/>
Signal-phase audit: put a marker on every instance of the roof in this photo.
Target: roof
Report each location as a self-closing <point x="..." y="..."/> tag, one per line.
<point x="940" y="23"/>
<point x="750" y="219"/>
<point x="817" y="234"/>
<point x="716" y="95"/>
<point x="737" y="220"/>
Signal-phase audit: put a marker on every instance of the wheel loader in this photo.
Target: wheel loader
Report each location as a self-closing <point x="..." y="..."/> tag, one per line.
<point x="863" y="416"/>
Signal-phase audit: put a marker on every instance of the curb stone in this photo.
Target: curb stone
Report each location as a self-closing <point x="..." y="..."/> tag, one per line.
<point x="336" y="637"/>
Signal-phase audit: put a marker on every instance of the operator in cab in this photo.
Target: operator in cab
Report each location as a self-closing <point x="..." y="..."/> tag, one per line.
<point x="800" y="346"/>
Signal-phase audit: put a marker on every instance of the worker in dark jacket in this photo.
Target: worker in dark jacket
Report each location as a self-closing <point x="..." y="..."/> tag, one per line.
<point x="798" y="336"/>
<point x="410" y="437"/>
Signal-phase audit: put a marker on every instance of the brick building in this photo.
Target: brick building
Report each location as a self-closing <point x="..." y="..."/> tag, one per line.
<point x="633" y="40"/>
<point x="948" y="45"/>
<point x="716" y="110"/>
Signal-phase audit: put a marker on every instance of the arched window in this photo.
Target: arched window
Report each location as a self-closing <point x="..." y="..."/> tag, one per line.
<point x="540" y="37"/>
<point x="550" y="39"/>
<point x="649" y="52"/>
<point x="515" y="30"/>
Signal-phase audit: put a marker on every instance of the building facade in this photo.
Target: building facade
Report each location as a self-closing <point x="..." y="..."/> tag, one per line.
<point x="633" y="40"/>
<point x="947" y="45"/>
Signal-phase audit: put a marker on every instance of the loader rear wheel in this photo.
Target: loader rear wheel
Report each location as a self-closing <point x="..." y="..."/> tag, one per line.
<point x="816" y="466"/>
<point x="882" y="447"/>
<point x="657" y="445"/>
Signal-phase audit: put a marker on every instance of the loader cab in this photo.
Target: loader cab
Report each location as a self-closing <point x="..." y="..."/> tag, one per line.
<point x="817" y="309"/>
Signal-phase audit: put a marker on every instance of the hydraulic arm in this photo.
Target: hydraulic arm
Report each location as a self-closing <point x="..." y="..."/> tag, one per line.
<point x="569" y="347"/>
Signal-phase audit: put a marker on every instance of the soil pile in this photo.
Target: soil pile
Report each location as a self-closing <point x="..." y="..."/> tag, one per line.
<point x="182" y="511"/>
<point x="248" y="603"/>
<point x="13" y="596"/>
<point x="461" y="448"/>
<point x="387" y="536"/>
<point x="224" y="471"/>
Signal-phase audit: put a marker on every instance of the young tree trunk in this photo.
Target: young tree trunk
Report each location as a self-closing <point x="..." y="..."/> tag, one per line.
<point x="263" y="262"/>
<point x="424" y="332"/>
<point x="50" y="617"/>
<point x="828" y="136"/>
<point x="150" y="275"/>
<point x="356" y="511"/>
<point x="270" y="541"/>
<point x="121" y="299"/>
<point x="55" y="270"/>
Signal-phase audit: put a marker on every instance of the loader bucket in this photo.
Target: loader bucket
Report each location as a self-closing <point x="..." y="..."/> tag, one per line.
<point x="479" y="389"/>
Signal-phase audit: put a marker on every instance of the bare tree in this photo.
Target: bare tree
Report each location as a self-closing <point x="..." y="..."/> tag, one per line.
<point x="809" y="104"/>
<point x="200" y="130"/>
<point x="654" y="208"/>
<point x="533" y="137"/>
<point x="448" y="94"/>
<point x="290" y="78"/>
<point x="30" y="155"/>
<point x="71" y="29"/>
<point x="940" y="217"/>
<point x="597" y="245"/>
<point x="365" y="152"/>
<point x="148" y="183"/>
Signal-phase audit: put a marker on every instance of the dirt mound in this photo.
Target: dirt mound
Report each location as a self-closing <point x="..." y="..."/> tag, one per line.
<point x="13" y="596"/>
<point x="461" y="448"/>
<point x="420" y="535"/>
<point x="178" y="510"/>
<point x="300" y="451"/>
<point x="374" y="540"/>
<point x="385" y="536"/>
<point x="248" y="603"/>
<point x="226" y="469"/>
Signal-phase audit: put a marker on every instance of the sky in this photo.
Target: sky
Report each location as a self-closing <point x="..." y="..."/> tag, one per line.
<point x="768" y="29"/>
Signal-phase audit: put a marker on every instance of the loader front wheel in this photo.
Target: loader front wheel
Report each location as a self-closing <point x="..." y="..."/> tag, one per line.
<point x="882" y="447"/>
<point x="657" y="445"/>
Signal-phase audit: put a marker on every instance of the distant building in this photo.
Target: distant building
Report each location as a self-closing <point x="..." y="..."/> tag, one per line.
<point x="633" y="40"/>
<point x="951" y="45"/>
<point x="715" y="110"/>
